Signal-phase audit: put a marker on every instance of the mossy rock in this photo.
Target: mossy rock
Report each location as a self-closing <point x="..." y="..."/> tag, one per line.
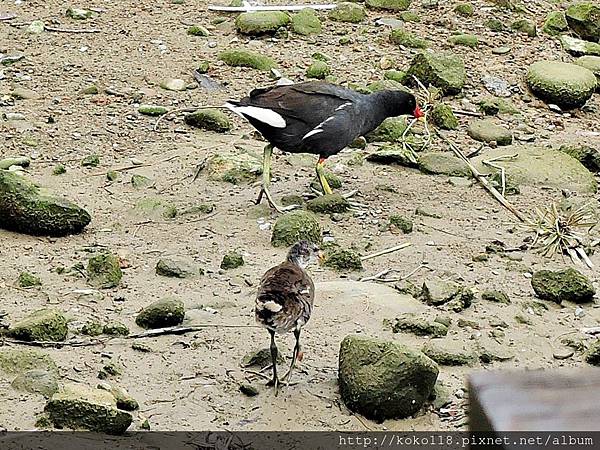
<point x="27" y="280"/>
<point x="419" y="326"/>
<point x="437" y="291"/>
<point x="563" y="285"/>
<point x="586" y="155"/>
<point x="495" y="25"/>
<point x="233" y="168"/>
<point x="402" y="223"/>
<point x="592" y="354"/>
<point x="407" y="39"/>
<point x="591" y="63"/>
<point x="42" y="325"/>
<point x="154" y="207"/>
<point x="442" y="70"/>
<point x="152" y="110"/>
<point x="334" y="181"/>
<point x="166" y="312"/>
<point x="584" y="19"/>
<point x="318" y="70"/>
<point x="112" y="369"/>
<point x="443" y="163"/>
<point x="17" y="361"/>
<point x="25" y="208"/>
<point x="348" y="12"/>
<point x="495" y="296"/>
<point x="141" y="181"/>
<point x="209" y="119"/>
<point x="261" y="22"/>
<point x="555" y="23"/>
<point x="306" y="23"/>
<point x="525" y="26"/>
<point x="391" y="130"/>
<point x="398" y="76"/>
<point x="394" y="154"/>
<point x="566" y="85"/>
<point x="487" y="131"/>
<point x="90" y="161"/>
<point x="386" y="85"/>
<point x="295" y="226"/>
<point x="467" y="40"/>
<point x="79" y="13"/>
<point x="198" y="30"/>
<point x="37" y="381"/>
<point x="579" y="47"/>
<point x="104" y="271"/>
<point x="449" y="353"/>
<point x="388" y="5"/>
<point x="384" y="380"/>
<point x="244" y="58"/>
<point x="491" y="106"/>
<point x="443" y="117"/>
<point x="115" y="328"/>
<point x="328" y="204"/>
<point x="232" y="260"/>
<point x="464" y="9"/>
<point x="342" y="260"/>
<point x="540" y="166"/>
<point x="92" y="328"/>
<point x="177" y="268"/>
<point x="81" y="407"/>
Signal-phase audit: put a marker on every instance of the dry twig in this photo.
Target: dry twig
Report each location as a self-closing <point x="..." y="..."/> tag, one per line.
<point x="386" y="251"/>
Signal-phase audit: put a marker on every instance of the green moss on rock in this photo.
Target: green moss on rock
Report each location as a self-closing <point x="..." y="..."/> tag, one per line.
<point x="525" y="26"/>
<point x="27" y="280"/>
<point x="384" y="380"/>
<point x="585" y="154"/>
<point x="42" y="325"/>
<point x="419" y="326"/>
<point x="464" y="9"/>
<point x="442" y="70"/>
<point x="177" y="268"/>
<point x="578" y="47"/>
<point x="495" y="296"/>
<point x="233" y="168"/>
<point x="591" y="63"/>
<point x="443" y="117"/>
<point x="592" y="355"/>
<point x="294" y="226"/>
<point x="306" y="23"/>
<point x="37" y="382"/>
<point x="342" y="260"/>
<point x="198" y="30"/>
<point x="449" y="353"/>
<point x="209" y="119"/>
<point x="584" y="19"/>
<point x="166" y="312"/>
<point x="232" y="260"/>
<point x="390" y="130"/>
<point x="328" y="204"/>
<point x="404" y="224"/>
<point x="555" y="23"/>
<point x="495" y="25"/>
<point x="443" y="163"/>
<point x="318" y="70"/>
<point x="348" y="12"/>
<point x="243" y="58"/>
<point x="17" y="361"/>
<point x="261" y="22"/>
<point x="25" y="208"/>
<point x="115" y="328"/>
<point x="398" y="76"/>
<point x="407" y="39"/>
<point x="92" y="328"/>
<point x="563" y="285"/>
<point x="155" y="207"/>
<point x="104" y="271"/>
<point x="488" y="131"/>
<point x="566" y="85"/>
<point x="394" y="154"/>
<point x="467" y="40"/>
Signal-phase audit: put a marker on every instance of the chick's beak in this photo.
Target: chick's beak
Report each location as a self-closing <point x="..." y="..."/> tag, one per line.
<point x="419" y="114"/>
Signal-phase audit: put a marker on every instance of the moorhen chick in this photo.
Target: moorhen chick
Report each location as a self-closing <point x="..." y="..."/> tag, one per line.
<point x="285" y="299"/>
<point x="316" y="117"/>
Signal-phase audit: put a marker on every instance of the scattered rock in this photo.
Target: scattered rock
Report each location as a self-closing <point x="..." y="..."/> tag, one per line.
<point x="333" y="180"/>
<point x="232" y="260"/>
<point x="81" y="407"/>
<point x="427" y="212"/>
<point x="249" y="390"/>
<point x="37" y="381"/>
<point x="90" y="161"/>
<point x="449" y="353"/>
<point x="490" y="351"/>
<point x="592" y="355"/>
<point x="41" y="325"/>
<point x="261" y="22"/>
<point x="209" y="119"/>
<point x="591" y="63"/>
<point x="563" y="285"/>
<point x="348" y="12"/>
<point x="243" y="58"/>
<point x="233" y="168"/>
<point x="467" y="40"/>
<point x="464" y="9"/>
<point x="497" y="86"/>
<point x="174" y="84"/>
<point x="318" y="70"/>
<point x="563" y="84"/>
<point x="555" y="24"/>
<point x="384" y="380"/>
<point x="79" y="13"/>
<point x="390" y="130"/>
<point x="584" y="19"/>
<point x="525" y="26"/>
<point x="198" y="30"/>
<point x="343" y="259"/>
<point x="177" y="268"/>
<point x="123" y="398"/>
<point x="443" y="117"/>
<point x="487" y="131"/>
<point x="35" y="27"/>
<point x="539" y="166"/>
<point x="104" y="271"/>
<point x="437" y="291"/>
<point x="407" y="39"/>
<point x="153" y="207"/>
<point x="152" y="110"/>
<point x="18" y="361"/>
<point x="388" y="5"/>
<point x="114" y="328"/>
<point x="586" y="155"/>
<point x="443" y="163"/>
<point x="7" y="163"/>
<point x="398" y="76"/>
<point x="92" y="328"/>
<point x="578" y="47"/>
<point x="328" y="204"/>
<point x="495" y="25"/>
<point x="27" y="280"/>
<point x="445" y="71"/>
<point x="294" y="226"/>
<point x="167" y="312"/>
<point x="306" y="23"/>
<point x="111" y="369"/>
<point x="495" y="296"/>
<point x="419" y="326"/>
<point x="26" y="208"/>
<point x="393" y="154"/>
<point x="404" y="224"/>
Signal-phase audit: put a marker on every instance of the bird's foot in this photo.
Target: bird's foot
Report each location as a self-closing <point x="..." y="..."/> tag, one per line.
<point x="275" y="206"/>
<point x="274" y="383"/>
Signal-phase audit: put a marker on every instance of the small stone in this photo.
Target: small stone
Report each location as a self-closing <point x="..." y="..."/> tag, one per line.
<point x="232" y="260"/>
<point x="334" y="181"/>
<point x="27" y="280"/>
<point x="578" y="47"/>
<point x="442" y="70"/>
<point x="427" y="212"/>
<point x="15" y="361"/>
<point x="402" y="37"/>
<point x="328" y="204"/>
<point x="495" y="296"/>
<point x="404" y="224"/>
<point x="198" y="30"/>
<point x="177" y="268"/>
<point x="104" y="271"/>
<point x="140" y="181"/>
<point x="114" y="328"/>
<point x="260" y="358"/>
<point x="419" y="326"/>
<point x="586" y="155"/>
<point x="306" y="23"/>
<point x="391" y="130"/>
<point x="388" y="5"/>
<point x="35" y="27"/>
<point x="92" y="328"/>
<point x="495" y="25"/>
<point x="437" y="291"/>
<point x="443" y="117"/>
<point x="209" y="119"/>
<point x="233" y="168"/>
<point x="79" y="13"/>
<point x="167" y="312"/>
<point x="90" y="161"/>
<point x="394" y="154"/>
<point x="443" y="163"/>
<point x="59" y="170"/>
<point x="592" y="355"/>
<point x="124" y="399"/>
<point x="501" y="50"/>
<point x="343" y="260"/>
<point x="449" y="353"/>
<point x="21" y="93"/>
<point x="555" y="24"/>
<point x="41" y="325"/>
<point x="37" y="382"/>
<point x="110" y="370"/>
<point x="563" y="285"/>
<point x="563" y="354"/>
<point x="467" y="40"/>
<point x="249" y="390"/>
<point x="460" y="182"/>
<point x="490" y="351"/>
<point x="243" y="58"/>
<point x="152" y="110"/>
<point x="261" y="22"/>
<point x="395" y="75"/>
<point x="318" y="70"/>
<point x="348" y="12"/>
<point x="174" y="84"/>
<point x="294" y="226"/>
<point x="156" y="208"/>
<point x="464" y="9"/>
<point x="525" y="26"/>
<point x="487" y="131"/>
<point x="584" y="19"/>
<point x="591" y="63"/>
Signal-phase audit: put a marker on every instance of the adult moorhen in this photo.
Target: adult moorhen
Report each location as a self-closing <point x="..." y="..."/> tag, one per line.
<point x="316" y="117"/>
<point x="285" y="299"/>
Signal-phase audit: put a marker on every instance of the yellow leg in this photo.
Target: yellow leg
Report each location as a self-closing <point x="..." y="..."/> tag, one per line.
<point x="266" y="182"/>
<point x="321" y="175"/>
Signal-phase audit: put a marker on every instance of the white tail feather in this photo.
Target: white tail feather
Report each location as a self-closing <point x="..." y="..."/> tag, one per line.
<point x="265" y="115"/>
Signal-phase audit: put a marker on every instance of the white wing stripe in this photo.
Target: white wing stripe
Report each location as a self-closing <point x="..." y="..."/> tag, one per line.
<point x="265" y="115"/>
<point x="343" y="106"/>
<point x="318" y="128"/>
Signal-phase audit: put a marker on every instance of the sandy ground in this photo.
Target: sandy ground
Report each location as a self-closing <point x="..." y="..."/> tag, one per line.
<point x="191" y="382"/>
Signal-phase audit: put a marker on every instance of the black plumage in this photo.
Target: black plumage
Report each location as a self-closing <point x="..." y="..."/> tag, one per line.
<point x="285" y="299"/>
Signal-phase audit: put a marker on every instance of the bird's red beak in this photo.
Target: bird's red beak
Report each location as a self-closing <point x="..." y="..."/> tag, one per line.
<point x="418" y="113"/>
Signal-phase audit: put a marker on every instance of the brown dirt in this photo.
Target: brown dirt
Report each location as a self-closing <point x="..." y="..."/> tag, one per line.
<point x="191" y="382"/>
